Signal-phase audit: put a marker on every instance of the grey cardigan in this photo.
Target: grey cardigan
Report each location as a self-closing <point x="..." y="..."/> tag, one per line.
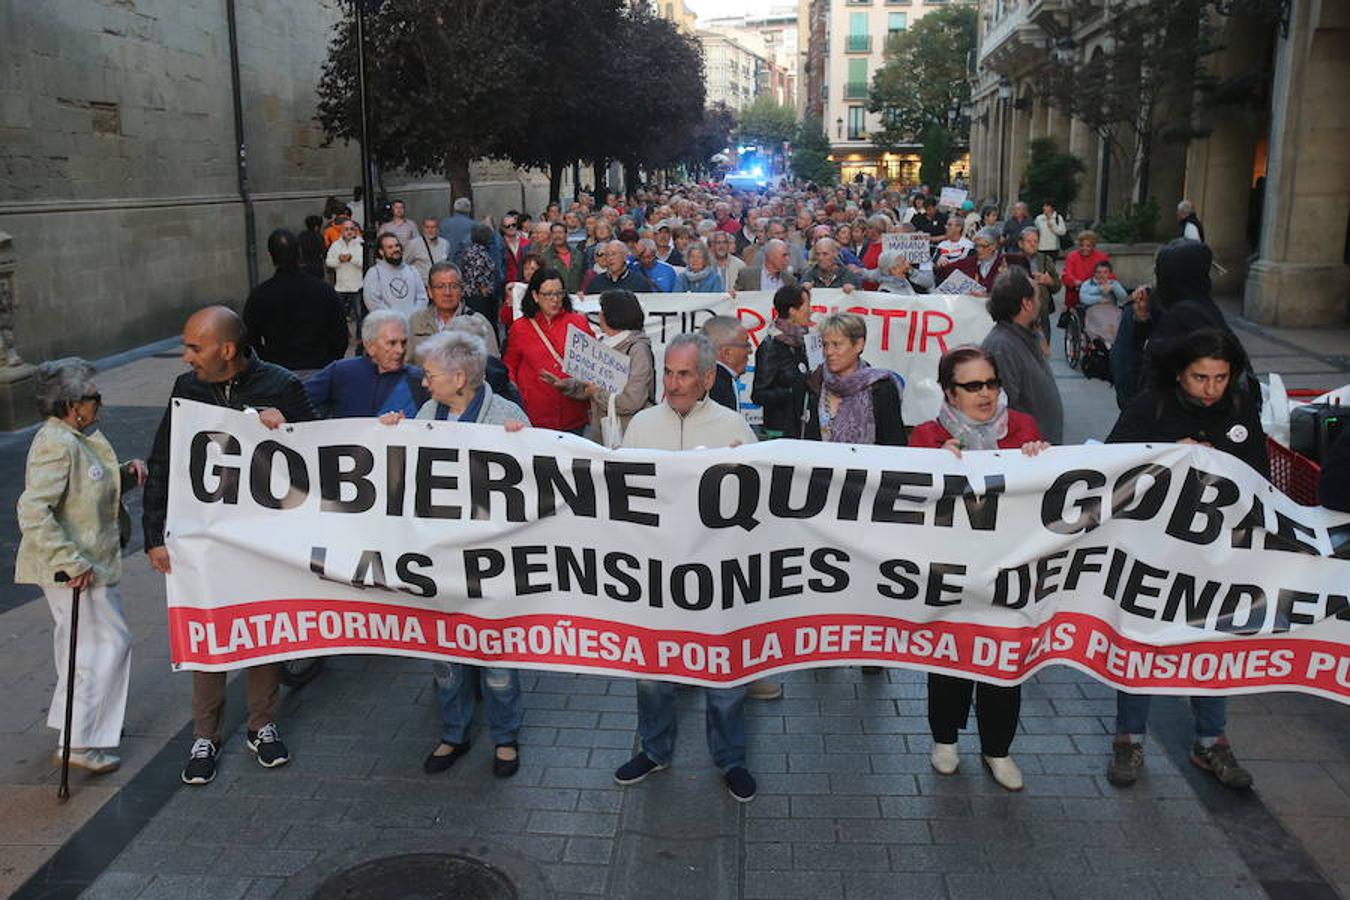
<point x="1026" y="376"/>
<point x="495" y="410"/>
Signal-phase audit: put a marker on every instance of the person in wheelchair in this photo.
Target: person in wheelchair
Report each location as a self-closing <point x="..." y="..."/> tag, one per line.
<point x="1101" y="298"/>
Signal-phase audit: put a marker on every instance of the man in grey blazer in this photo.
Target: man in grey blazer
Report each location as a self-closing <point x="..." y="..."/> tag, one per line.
<point x="772" y="272"/>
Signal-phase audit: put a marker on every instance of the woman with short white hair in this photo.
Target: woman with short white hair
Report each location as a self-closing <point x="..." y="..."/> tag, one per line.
<point x="453" y="366"/>
<point x="73" y="532"/>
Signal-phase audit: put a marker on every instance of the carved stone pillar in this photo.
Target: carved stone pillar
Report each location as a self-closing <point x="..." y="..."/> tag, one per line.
<point x="16" y="376"/>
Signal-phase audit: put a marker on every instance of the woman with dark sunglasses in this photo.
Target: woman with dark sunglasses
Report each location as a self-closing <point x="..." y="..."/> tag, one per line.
<point x="975" y="416"/>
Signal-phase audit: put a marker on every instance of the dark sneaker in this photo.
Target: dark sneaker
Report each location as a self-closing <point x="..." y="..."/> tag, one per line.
<point x="1127" y="758"/>
<point x="636" y="769"/>
<point x="1219" y="759"/>
<point x="201" y="764"/>
<point x="266" y="743"/>
<point x="740" y="784"/>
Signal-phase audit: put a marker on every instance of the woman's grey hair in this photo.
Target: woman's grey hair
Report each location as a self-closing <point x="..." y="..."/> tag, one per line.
<point x="707" y="354"/>
<point x="988" y="236"/>
<point x="456" y="351"/>
<point x="879" y="221"/>
<point x="850" y="325"/>
<point x="474" y="325"/>
<point x="377" y="319"/>
<point x="705" y="227"/>
<point x="888" y="259"/>
<point x="698" y="247"/>
<point x="60" y="382"/>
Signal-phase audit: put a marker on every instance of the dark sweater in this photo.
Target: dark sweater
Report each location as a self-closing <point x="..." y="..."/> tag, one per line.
<point x="259" y="386"/>
<point x="296" y="321"/>
<point x="1026" y="376"/>
<point x="1232" y="425"/>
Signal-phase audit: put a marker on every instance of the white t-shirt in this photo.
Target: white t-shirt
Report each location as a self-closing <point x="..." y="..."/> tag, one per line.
<point x="949" y="252"/>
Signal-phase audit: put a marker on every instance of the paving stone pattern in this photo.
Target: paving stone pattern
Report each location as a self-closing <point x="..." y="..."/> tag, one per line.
<point x="848" y="806"/>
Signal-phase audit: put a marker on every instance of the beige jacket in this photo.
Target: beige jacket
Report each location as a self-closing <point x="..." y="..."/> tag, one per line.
<point x="637" y="395"/>
<point x="422" y="325"/>
<point x="69" y="506"/>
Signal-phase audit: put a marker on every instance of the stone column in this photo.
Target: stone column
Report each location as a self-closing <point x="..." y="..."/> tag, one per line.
<point x="1300" y="279"/>
<point x="16" y="376"/>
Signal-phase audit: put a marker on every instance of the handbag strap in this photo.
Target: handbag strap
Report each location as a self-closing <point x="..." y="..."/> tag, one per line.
<point x="553" y="351"/>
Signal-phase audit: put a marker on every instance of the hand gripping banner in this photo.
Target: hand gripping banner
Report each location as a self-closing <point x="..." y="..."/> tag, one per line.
<point x="1162" y="568"/>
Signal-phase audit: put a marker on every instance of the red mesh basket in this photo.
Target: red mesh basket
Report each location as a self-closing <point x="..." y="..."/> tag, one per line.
<point x="1293" y="473"/>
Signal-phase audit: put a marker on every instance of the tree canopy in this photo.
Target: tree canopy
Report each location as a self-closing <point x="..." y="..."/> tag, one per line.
<point x="766" y="122"/>
<point x="924" y="78"/>
<point x="607" y="80"/>
<point x="810" y="154"/>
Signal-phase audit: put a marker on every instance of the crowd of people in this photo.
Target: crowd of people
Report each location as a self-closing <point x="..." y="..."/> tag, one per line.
<point x="460" y="320"/>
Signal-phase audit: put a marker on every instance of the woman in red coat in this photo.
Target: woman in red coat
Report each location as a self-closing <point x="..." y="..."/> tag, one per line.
<point x="535" y="345"/>
<point x="975" y="416"/>
<point x="1079" y="266"/>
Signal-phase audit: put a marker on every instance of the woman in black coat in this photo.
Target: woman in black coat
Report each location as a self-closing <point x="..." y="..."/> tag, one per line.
<point x="780" y="364"/>
<point x="848" y="401"/>
<point x="1199" y="393"/>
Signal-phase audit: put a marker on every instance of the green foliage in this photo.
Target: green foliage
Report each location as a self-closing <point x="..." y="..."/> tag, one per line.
<point x="1051" y="175"/>
<point x="708" y="138"/>
<point x="935" y="158"/>
<point x="766" y="122"/>
<point x="1137" y="223"/>
<point x="810" y="154"/>
<point x="925" y="77"/>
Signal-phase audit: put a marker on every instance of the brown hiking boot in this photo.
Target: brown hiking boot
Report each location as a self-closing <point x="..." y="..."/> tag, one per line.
<point x="1127" y="758"/>
<point x="1219" y="759"/>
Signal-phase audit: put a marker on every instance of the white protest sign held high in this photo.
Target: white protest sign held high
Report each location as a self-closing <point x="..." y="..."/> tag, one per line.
<point x="1163" y="568"/>
<point x="959" y="282"/>
<point x="952" y="198"/>
<point x="590" y="360"/>
<point x="917" y="248"/>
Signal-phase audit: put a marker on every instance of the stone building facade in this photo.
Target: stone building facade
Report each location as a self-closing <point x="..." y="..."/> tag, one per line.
<point x="1270" y="183"/>
<point x="118" y="177"/>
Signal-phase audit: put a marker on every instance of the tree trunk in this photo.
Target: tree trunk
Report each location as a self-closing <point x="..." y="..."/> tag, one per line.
<point x="576" y="179"/>
<point x="461" y="183"/>
<point x="630" y="177"/>
<point x="600" y="165"/>
<point x="555" y="174"/>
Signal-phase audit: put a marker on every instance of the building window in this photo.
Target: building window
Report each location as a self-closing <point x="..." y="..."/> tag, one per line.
<point x="896" y="22"/>
<point x="856" y="86"/>
<point x="856" y="123"/>
<point x="859" y="40"/>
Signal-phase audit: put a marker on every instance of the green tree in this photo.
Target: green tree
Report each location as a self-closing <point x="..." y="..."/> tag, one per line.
<point x="708" y="138"/>
<point x="1052" y="175"/>
<point x="923" y="89"/>
<point x="810" y="154"/>
<point x="766" y="122"/>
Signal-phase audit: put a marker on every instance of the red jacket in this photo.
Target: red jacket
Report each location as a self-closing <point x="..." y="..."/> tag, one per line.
<point x="513" y="259"/>
<point x="971" y="266"/>
<point x="526" y="356"/>
<point x="1078" y="269"/>
<point x="871" y="258"/>
<point x="1021" y="430"/>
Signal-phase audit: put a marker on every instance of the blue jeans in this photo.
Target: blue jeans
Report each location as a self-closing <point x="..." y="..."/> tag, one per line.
<point x="1210" y="713"/>
<point x="724" y="714"/>
<point x="455" y="689"/>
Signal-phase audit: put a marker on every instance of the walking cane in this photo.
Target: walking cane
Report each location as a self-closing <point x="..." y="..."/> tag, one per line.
<point x="63" y="792"/>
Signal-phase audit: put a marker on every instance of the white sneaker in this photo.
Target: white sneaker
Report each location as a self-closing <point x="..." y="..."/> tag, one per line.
<point x="92" y="759"/>
<point x="1005" y="772"/>
<point x="944" y="758"/>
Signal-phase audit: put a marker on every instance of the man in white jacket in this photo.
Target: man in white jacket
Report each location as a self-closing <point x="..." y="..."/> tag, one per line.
<point x="345" y="258"/>
<point x="393" y="284"/>
<point x="684" y="420"/>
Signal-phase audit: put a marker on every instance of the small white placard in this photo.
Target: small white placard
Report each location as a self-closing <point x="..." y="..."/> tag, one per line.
<point x="815" y="350"/>
<point x="959" y="282"/>
<point x="952" y="198"/>
<point x="590" y="360"/>
<point x="916" y="247"/>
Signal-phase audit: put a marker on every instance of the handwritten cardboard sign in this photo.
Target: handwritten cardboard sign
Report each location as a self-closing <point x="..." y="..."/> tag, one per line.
<point x="915" y="246"/>
<point x="590" y="360"/>
<point x="952" y="198"/>
<point x="959" y="282"/>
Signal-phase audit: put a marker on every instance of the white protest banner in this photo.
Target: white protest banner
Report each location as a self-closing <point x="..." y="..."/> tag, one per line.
<point x="590" y="360"/>
<point x="1164" y="568"/>
<point x="958" y="283"/>
<point x="907" y="333"/>
<point x="917" y="248"/>
<point x="952" y="197"/>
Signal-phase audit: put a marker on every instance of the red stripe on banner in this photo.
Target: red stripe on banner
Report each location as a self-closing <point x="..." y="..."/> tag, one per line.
<point x="234" y="636"/>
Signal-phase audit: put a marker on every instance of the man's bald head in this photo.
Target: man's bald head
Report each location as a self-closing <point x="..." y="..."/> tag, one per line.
<point x="214" y="343"/>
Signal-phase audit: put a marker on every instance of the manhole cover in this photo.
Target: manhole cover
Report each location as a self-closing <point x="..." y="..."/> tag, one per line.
<point x="420" y="876"/>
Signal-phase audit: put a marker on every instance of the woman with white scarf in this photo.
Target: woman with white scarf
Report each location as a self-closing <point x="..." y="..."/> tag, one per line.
<point x="621" y="327"/>
<point x="895" y="274"/>
<point x="975" y="416"/>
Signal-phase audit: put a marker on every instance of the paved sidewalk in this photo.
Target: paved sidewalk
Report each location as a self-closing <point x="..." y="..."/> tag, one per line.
<point x="848" y="806"/>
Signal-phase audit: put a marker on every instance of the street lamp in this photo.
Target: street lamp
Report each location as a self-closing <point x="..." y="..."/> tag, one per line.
<point x="1065" y="50"/>
<point x="1004" y="88"/>
<point x="839" y="127"/>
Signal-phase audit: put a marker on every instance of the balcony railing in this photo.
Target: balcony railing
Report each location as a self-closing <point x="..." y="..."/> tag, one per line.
<point x="859" y="43"/>
<point x="855" y="90"/>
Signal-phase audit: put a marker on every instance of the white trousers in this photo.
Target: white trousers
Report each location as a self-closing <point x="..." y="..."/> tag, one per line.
<point x="102" y="666"/>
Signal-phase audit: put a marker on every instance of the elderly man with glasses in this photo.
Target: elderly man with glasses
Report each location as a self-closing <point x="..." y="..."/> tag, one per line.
<point x="447" y="305"/>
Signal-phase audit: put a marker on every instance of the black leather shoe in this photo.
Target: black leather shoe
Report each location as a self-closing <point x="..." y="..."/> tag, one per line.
<point x="505" y="768"/>
<point x="434" y="765"/>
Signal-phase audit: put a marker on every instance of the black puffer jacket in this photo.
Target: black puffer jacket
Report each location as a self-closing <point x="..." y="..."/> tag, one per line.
<point x="780" y="385"/>
<point x="890" y="427"/>
<point x="1232" y="425"/>
<point x="259" y="386"/>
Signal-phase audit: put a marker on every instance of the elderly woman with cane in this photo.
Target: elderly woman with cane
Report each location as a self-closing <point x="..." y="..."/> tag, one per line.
<point x="71" y="546"/>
